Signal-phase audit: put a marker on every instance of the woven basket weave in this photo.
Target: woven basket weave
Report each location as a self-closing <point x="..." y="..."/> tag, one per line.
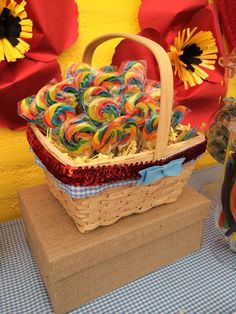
<point x="115" y="203"/>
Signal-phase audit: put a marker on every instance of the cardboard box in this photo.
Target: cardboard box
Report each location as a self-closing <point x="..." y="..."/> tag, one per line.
<point x="79" y="267"/>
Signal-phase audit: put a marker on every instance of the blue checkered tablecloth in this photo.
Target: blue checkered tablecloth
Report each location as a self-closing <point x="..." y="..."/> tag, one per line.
<point x="202" y="283"/>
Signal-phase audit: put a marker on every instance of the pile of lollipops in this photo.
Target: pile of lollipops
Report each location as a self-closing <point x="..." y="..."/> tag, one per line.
<point x="102" y="110"/>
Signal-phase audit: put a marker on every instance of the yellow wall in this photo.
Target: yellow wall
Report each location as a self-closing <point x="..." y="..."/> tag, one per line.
<point x="17" y="167"/>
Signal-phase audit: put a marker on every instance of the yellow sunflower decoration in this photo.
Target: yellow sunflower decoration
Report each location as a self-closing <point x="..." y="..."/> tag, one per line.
<point x="191" y="52"/>
<point x="14" y="25"/>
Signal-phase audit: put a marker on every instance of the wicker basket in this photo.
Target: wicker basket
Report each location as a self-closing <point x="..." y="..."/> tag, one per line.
<point x="115" y="203"/>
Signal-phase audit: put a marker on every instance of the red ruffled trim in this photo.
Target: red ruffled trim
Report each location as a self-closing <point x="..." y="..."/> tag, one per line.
<point x="93" y="176"/>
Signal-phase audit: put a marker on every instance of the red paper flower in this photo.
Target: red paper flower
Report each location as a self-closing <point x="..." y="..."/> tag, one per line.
<point x="162" y="23"/>
<point x="55" y="28"/>
<point x="227" y="10"/>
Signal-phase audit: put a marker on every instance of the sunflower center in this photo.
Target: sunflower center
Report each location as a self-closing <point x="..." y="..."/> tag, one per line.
<point x="10" y="27"/>
<point x="190" y="56"/>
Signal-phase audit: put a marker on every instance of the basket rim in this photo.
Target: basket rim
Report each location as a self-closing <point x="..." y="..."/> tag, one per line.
<point x="143" y="157"/>
<point x="98" y="175"/>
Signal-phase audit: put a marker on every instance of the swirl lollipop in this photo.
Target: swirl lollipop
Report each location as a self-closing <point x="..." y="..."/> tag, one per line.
<point x="77" y="135"/>
<point x="57" y="114"/>
<point x="128" y="90"/>
<point x="111" y="81"/>
<point x="108" y="69"/>
<point x="76" y="68"/>
<point x="92" y="92"/>
<point x="149" y="131"/>
<point x="134" y="78"/>
<point x="140" y="107"/>
<point x="153" y="89"/>
<point x="179" y="113"/>
<point x="65" y="92"/>
<point x="106" y="138"/>
<point x="41" y="97"/>
<point x="84" y="79"/>
<point x="102" y="110"/>
<point x="133" y="66"/>
<point x="27" y="109"/>
<point x="128" y="130"/>
<point x="187" y="134"/>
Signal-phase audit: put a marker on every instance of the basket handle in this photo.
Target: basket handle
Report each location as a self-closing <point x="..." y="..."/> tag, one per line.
<point x="166" y="77"/>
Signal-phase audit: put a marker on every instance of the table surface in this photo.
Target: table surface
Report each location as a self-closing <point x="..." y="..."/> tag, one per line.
<point x="201" y="283"/>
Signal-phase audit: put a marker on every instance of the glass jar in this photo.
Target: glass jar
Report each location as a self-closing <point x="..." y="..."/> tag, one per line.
<point x="218" y="132"/>
<point x="229" y="63"/>
<point x="226" y="209"/>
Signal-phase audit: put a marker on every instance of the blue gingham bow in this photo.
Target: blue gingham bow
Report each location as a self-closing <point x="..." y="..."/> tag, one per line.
<point x="155" y="173"/>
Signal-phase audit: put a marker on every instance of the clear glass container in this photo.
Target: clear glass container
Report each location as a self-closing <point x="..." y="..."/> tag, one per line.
<point x="218" y="132"/>
<point x="225" y="215"/>
<point x="229" y="63"/>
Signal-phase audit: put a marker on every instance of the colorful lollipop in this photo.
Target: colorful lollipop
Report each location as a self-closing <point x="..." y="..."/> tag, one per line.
<point x="140" y="107"/>
<point x="95" y="91"/>
<point x="149" y="131"/>
<point x="84" y="79"/>
<point x="65" y="92"/>
<point x="133" y="66"/>
<point x="128" y="130"/>
<point x="103" y="110"/>
<point x="111" y="81"/>
<point x="27" y="109"/>
<point x="108" y="69"/>
<point x="106" y="138"/>
<point x="134" y="78"/>
<point x="76" y="68"/>
<point x="188" y="134"/>
<point x="125" y="92"/>
<point x="179" y="113"/>
<point x="77" y="135"/>
<point x="129" y="90"/>
<point x="41" y="97"/>
<point x="153" y="89"/>
<point x="57" y="114"/>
